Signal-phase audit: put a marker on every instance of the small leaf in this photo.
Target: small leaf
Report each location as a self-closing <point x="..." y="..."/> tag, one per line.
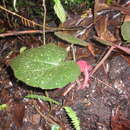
<point x="3" y="106"/>
<point x="71" y="39"/>
<point x="125" y="31"/>
<point x="103" y="41"/>
<point x="47" y="99"/>
<point x="44" y="67"/>
<point x="55" y="127"/>
<point x="22" y="49"/>
<point x="59" y="10"/>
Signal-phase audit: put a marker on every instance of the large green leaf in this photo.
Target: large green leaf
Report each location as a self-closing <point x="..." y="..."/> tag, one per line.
<point x="45" y="67"/>
<point x="125" y="31"/>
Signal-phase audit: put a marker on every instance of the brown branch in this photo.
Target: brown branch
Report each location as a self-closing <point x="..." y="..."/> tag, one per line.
<point x="15" y="33"/>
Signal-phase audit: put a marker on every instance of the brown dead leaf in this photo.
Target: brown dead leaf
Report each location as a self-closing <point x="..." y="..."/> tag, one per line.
<point x="18" y="111"/>
<point x="119" y="122"/>
<point x="102" y="30"/>
<point x="100" y="5"/>
<point x="91" y="49"/>
<point x="127" y="18"/>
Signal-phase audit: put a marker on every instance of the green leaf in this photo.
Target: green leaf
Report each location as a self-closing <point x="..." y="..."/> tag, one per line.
<point x="47" y="99"/>
<point x="59" y="10"/>
<point x="109" y="2"/>
<point x="22" y="49"/>
<point x="71" y="39"/>
<point x="44" y="67"/>
<point x="73" y="116"/>
<point x="103" y="41"/>
<point x="55" y="127"/>
<point x="125" y="31"/>
<point x="3" y="106"/>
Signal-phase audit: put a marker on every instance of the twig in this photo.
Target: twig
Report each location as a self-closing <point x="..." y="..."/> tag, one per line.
<point x="15" y="33"/>
<point x="102" y="82"/>
<point x="69" y="88"/>
<point x="6" y="13"/>
<point x="102" y="61"/>
<point x="44" y="22"/>
<point x="45" y="117"/>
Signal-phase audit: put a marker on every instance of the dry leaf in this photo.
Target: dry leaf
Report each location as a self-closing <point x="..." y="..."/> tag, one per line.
<point x="119" y="122"/>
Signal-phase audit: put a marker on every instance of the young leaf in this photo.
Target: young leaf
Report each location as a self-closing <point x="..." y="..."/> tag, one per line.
<point x="47" y="99"/>
<point x="73" y="117"/>
<point x="44" y="67"/>
<point x="125" y="31"/>
<point x="71" y="39"/>
<point x="59" y="10"/>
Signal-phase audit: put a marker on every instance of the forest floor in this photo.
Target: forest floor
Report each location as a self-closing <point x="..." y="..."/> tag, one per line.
<point x="104" y="104"/>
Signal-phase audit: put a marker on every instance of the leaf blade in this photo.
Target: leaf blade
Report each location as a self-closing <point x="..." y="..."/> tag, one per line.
<point x="47" y="99"/>
<point x="45" y="67"/>
<point x="125" y="31"/>
<point x="59" y="10"/>
<point x="71" y="39"/>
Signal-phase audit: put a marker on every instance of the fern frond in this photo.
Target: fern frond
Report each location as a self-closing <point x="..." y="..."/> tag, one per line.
<point x="73" y="116"/>
<point x="25" y="21"/>
<point x="28" y="22"/>
<point x="47" y="99"/>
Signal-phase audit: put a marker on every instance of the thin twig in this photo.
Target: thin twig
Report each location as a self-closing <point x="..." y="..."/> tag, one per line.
<point x="44" y="22"/>
<point x="45" y="117"/>
<point x="102" y="61"/>
<point x="102" y="82"/>
<point x="6" y="13"/>
<point x="15" y="33"/>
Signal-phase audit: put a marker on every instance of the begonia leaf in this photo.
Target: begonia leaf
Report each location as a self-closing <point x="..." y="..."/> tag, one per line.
<point x="45" y="67"/>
